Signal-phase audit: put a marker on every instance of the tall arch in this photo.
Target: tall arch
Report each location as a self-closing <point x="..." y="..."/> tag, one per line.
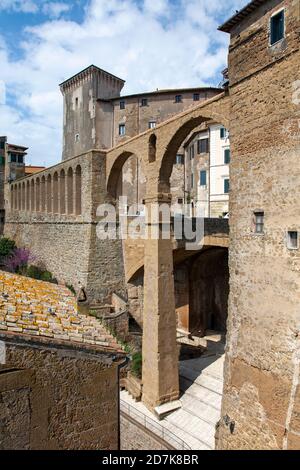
<point x="19" y="196"/>
<point x="78" y="190"/>
<point x="62" y="192"/>
<point x="55" y="193"/>
<point x="32" y="196"/>
<point x="152" y="148"/>
<point x="179" y="136"/>
<point x="43" y="193"/>
<point x="28" y="196"/>
<point x="49" y="194"/>
<point x="12" y="197"/>
<point x="70" y="191"/>
<point x="38" y="195"/>
<point x="23" y="196"/>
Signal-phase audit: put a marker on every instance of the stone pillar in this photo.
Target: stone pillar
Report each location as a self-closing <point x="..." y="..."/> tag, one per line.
<point x="160" y="354"/>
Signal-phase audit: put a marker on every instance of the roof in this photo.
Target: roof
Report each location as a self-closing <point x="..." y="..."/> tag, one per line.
<point x="86" y="69"/>
<point x="241" y="15"/>
<point x="31" y="170"/>
<point x="43" y="310"/>
<point x="17" y="148"/>
<point x="168" y="91"/>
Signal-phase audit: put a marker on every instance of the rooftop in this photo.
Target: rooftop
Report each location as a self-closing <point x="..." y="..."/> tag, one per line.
<point x="168" y="91"/>
<point x="31" y="170"/>
<point x="43" y="310"/>
<point x="90" y="68"/>
<point x="241" y="15"/>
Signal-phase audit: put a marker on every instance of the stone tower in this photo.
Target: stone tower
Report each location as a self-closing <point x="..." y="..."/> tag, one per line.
<point x="88" y="111"/>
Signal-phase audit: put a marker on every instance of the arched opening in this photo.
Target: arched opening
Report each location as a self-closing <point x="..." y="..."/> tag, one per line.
<point x="62" y="192"/>
<point x="12" y="195"/>
<point x="23" y="196"/>
<point x="127" y="178"/>
<point x="19" y="196"/>
<point x="28" y="196"/>
<point x="55" y="193"/>
<point x="78" y="190"/>
<point x="38" y="195"/>
<point x="43" y="193"/>
<point x="32" y="196"/>
<point x="152" y="148"/>
<point x="70" y="191"/>
<point x="180" y="137"/>
<point x="49" y="194"/>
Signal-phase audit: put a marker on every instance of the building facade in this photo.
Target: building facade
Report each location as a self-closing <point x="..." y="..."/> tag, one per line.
<point x="207" y="159"/>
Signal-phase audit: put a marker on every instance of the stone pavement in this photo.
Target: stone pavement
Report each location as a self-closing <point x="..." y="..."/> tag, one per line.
<point x="38" y="308"/>
<point x="201" y="383"/>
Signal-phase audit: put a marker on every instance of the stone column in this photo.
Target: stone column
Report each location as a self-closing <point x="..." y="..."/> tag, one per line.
<point x="160" y="354"/>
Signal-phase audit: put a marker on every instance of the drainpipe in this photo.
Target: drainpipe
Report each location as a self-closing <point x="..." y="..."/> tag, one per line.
<point x="120" y="365"/>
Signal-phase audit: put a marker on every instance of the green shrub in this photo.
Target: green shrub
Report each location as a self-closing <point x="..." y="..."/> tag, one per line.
<point x="71" y="288"/>
<point x="7" y="246"/>
<point x="136" y="365"/>
<point x="37" y="273"/>
<point x="34" y="271"/>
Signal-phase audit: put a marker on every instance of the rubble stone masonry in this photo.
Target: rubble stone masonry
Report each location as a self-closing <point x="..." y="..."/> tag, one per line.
<point x="261" y="403"/>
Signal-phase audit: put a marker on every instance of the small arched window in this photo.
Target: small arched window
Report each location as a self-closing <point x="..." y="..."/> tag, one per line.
<point x="152" y="148"/>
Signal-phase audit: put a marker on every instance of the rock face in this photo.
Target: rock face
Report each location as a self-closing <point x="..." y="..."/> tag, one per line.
<point x="262" y="393"/>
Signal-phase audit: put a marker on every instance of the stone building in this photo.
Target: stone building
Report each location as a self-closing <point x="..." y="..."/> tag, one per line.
<point x="207" y="159"/>
<point x="96" y="116"/>
<point x="55" y="213"/>
<point x="261" y="398"/>
<point x="12" y="165"/>
<point x="59" y="371"/>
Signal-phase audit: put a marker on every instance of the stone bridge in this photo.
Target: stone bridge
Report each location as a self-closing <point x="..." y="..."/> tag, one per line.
<point x="54" y="213"/>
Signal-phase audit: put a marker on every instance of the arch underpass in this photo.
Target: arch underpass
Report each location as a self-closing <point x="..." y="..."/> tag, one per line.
<point x="156" y="150"/>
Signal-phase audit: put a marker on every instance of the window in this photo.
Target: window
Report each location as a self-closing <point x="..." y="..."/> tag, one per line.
<point x="227" y="156"/>
<point x="277" y="27"/>
<point x="20" y="159"/>
<point x="192" y="152"/>
<point x="203" y="178"/>
<point x="122" y="129"/>
<point x="178" y="99"/>
<point x="179" y="159"/>
<point x="292" y="240"/>
<point x="152" y="124"/>
<point x="196" y="97"/>
<point x="13" y="158"/>
<point x="2" y="145"/>
<point x="223" y="133"/>
<point x="180" y="200"/>
<point x="202" y="146"/>
<point x="259" y="220"/>
<point x="192" y="180"/>
<point x="77" y="138"/>
<point x="2" y="161"/>
<point x="122" y="104"/>
<point x="144" y="102"/>
<point x="226" y="186"/>
<point x="76" y="103"/>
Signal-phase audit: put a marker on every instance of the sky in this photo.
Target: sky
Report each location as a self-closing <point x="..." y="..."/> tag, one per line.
<point x="149" y="43"/>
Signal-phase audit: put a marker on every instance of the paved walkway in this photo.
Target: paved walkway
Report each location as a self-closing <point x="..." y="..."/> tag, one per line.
<point x="201" y="384"/>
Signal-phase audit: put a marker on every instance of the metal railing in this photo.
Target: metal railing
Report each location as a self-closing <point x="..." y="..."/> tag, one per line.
<point x="154" y="427"/>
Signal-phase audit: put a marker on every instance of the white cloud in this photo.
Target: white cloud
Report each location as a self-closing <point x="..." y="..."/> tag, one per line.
<point x="24" y="6"/>
<point x="55" y="9"/>
<point x="124" y="37"/>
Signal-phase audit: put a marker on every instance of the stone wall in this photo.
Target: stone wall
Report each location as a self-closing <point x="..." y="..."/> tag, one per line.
<point x="55" y="217"/>
<point x="65" y="398"/>
<point x="262" y="392"/>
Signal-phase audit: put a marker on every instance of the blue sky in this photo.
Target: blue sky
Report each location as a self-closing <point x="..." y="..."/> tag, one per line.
<point x="149" y="43"/>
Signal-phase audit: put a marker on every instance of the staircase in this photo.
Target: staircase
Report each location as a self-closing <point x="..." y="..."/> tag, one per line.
<point x="201" y="385"/>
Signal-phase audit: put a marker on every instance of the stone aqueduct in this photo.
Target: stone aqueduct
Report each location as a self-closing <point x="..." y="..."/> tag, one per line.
<point x="70" y="192"/>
